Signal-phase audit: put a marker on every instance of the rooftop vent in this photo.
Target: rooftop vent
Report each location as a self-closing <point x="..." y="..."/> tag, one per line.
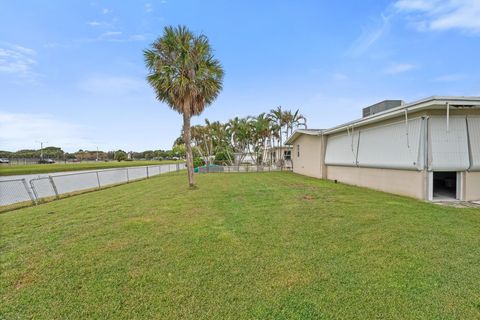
<point x="381" y="106"/>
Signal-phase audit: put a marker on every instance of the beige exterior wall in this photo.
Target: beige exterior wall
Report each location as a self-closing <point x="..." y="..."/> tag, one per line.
<point x="403" y="182"/>
<point x="472" y="186"/>
<point x="310" y="162"/>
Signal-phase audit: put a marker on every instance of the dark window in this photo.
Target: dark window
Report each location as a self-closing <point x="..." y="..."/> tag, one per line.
<point x="298" y="150"/>
<point x="287" y="154"/>
<point x="445" y="185"/>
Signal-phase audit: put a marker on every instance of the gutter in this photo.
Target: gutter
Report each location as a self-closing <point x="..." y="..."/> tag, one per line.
<point x="409" y="107"/>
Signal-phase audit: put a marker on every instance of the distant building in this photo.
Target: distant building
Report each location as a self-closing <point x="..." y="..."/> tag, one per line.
<point x="428" y="149"/>
<point x="279" y="156"/>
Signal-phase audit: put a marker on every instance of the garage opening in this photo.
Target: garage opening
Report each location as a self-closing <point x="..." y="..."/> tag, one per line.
<point x="444" y="185"/>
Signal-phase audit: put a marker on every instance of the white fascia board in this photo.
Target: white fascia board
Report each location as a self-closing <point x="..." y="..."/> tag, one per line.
<point x="424" y="104"/>
<point x="297" y="133"/>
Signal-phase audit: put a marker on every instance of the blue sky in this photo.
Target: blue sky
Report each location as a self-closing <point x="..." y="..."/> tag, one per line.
<point x="72" y="72"/>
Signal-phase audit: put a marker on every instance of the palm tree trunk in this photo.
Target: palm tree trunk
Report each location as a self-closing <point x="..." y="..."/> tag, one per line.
<point x="188" y="146"/>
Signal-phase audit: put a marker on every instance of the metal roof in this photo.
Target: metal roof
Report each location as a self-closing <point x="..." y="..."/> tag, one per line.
<point x="423" y="104"/>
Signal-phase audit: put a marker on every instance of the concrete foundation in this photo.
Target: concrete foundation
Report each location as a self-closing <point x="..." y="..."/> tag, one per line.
<point x="403" y="182"/>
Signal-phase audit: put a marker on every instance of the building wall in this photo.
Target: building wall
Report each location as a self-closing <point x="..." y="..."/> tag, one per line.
<point x="403" y="182"/>
<point x="410" y="183"/>
<point x="310" y="162"/>
<point x="472" y="186"/>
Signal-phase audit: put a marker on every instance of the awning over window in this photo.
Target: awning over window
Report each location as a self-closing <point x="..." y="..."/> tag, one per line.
<point x="342" y="149"/>
<point x="474" y="141"/>
<point x="452" y="145"/>
<point x="393" y="146"/>
<point x="448" y="148"/>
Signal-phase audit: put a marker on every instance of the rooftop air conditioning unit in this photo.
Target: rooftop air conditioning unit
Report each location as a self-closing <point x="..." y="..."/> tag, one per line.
<point x="381" y="106"/>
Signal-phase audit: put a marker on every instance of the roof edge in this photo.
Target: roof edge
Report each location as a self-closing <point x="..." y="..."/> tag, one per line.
<point x="412" y="106"/>
<point x="297" y="133"/>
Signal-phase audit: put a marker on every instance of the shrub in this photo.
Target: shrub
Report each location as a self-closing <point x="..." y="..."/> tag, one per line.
<point x="120" y="155"/>
<point x="198" y="162"/>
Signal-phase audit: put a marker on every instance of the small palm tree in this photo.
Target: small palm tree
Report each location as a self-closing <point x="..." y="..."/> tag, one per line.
<point x="184" y="75"/>
<point x="238" y="131"/>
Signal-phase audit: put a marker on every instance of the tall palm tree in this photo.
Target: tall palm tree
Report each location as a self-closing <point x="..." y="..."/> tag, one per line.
<point x="277" y="115"/>
<point x="288" y="120"/>
<point x="296" y="120"/>
<point x="185" y="75"/>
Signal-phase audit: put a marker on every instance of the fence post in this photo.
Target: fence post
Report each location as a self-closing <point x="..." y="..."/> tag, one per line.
<point x="28" y="191"/>
<point x="34" y="190"/>
<point x="98" y="180"/>
<point x="147" y="172"/>
<point x="178" y="167"/>
<point x="128" y="178"/>
<point x="53" y="186"/>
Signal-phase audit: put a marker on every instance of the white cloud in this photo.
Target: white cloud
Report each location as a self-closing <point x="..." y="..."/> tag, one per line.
<point x="94" y="23"/>
<point x="450" y="77"/>
<point x="370" y="36"/>
<point x="423" y="5"/>
<point x="21" y="130"/>
<point x="110" y="34"/>
<point x="112" y="85"/>
<point x="399" y="68"/>
<point x="424" y="15"/>
<point x="118" y="36"/>
<point x="105" y="11"/>
<point x="443" y="14"/>
<point x="18" y="61"/>
<point x="148" y="7"/>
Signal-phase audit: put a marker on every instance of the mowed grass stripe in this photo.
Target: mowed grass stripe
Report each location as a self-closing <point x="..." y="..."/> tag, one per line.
<point x="240" y="246"/>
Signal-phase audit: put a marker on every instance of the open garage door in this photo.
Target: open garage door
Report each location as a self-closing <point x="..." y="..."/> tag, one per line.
<point x="392" y="146"/>
<point x="473" y="123"/>
<point x="448" y="144"/>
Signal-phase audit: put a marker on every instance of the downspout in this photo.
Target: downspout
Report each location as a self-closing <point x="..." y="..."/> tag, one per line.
<point x="469" y="144"/>
<point x="406" y="128"/>
<point x="358" y="147"/>
<point x="448" y="117"/>
<point x="426" y="155"/>
<point x="352" y="135"/>
<point x="428" y="148"/>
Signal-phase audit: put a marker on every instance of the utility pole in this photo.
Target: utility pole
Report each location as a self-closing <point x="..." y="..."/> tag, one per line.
<point x="41" y="148"/>
<point x="97" y="154"/>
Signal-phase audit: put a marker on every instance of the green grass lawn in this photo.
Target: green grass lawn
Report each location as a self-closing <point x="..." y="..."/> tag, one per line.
<point x="9" y="170"/>
<point x="241" y="246"/>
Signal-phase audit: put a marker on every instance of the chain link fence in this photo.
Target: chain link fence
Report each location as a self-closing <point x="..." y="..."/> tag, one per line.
<point x="17" y="191"/>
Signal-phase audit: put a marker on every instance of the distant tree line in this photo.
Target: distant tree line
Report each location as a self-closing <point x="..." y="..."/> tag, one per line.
<point x="58" y="154"/>
<point x="48" y="152"/>
<point x="231" y="142"/>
